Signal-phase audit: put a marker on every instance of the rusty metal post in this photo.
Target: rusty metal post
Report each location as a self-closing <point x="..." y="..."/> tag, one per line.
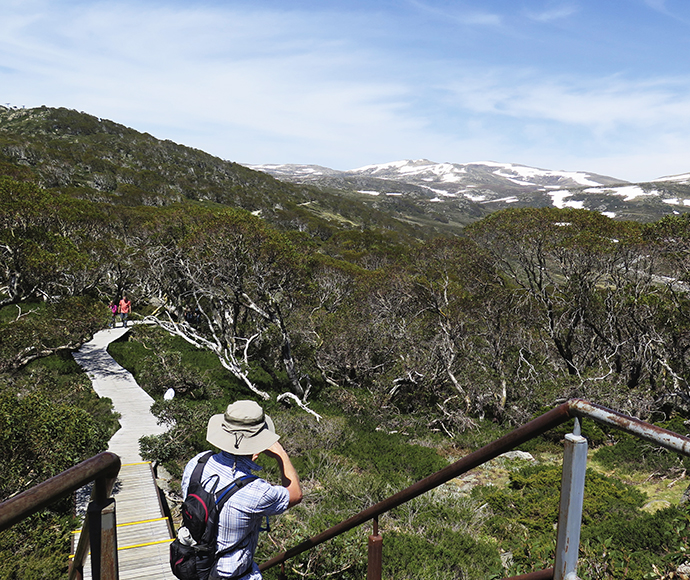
<point x="103" y="538"/>
<point x="572" y="496"/>
<point x="375" y="562"/>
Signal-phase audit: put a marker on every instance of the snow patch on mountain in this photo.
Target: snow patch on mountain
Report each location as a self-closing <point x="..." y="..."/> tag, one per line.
<point x="452" y="173"/>
<point x="560" y="199"/>
<point x="677" y="201"/>
<point x="628" y="192"/>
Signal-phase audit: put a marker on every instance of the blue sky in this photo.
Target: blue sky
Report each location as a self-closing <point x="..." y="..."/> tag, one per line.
<point x="590" y="85"/>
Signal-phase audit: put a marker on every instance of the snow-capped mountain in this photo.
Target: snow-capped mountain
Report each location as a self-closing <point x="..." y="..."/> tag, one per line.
<point x="482" y="187"/>
<point x="447" y="179"/>
<point x="463" y="174"/>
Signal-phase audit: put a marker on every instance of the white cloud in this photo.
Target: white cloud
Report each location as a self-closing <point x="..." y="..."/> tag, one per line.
<point x="246" y="69"/>
<point x="598" y="103"/>
<point x="659" y="5"/>
<point x="336" y="89"/>
<point x="459" y="14"/>
<point x="557" y="12"/>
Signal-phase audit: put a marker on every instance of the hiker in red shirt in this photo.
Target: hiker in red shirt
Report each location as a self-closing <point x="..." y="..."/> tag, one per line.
<point x="124" y="309"/>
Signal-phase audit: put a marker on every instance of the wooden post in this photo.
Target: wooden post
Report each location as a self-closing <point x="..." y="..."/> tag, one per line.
<point x="103" y="539"/>
<point x="375" y="554"/>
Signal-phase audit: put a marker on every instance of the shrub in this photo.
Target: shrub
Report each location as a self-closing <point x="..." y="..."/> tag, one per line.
<point x="391" y="457"/>
<point x="40" y="439"/>
<point x="43" y="434"/>
<point x="61" y="380"/>
<point x="37" y="548"/>
<point x="526" y="512"/>
<point x="633" y="548"/>
<point x="447" y="554"/>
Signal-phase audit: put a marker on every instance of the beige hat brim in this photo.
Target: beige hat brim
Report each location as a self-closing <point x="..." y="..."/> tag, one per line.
<point x="219" y="437"/>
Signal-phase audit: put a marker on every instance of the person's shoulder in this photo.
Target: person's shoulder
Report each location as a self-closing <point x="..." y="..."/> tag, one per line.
<point x="194" y="460"/>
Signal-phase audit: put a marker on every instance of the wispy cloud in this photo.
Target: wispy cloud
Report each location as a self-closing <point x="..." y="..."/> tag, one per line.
<point x="459" y="14"/>
<point x="253" y="86"/>
<point x="597" y="103"/>
<point x="554" y="12"/>
<point x="659" y="5"/>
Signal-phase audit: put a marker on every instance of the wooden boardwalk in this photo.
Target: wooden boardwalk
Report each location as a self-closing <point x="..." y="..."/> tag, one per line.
<point x="143" y="531"/>
<point x="110" y="380"/>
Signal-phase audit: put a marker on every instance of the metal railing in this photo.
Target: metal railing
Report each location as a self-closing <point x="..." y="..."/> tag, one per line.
<point x="99" y="523"/>
<point x="572" y="485"/>
<point x="99" y="528"/>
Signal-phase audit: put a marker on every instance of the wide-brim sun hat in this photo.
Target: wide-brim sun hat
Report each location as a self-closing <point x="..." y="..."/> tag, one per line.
<point x="244" y="429"/>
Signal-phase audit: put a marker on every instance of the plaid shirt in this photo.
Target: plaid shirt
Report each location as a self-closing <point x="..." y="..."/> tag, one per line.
<point x="243" y="514"/>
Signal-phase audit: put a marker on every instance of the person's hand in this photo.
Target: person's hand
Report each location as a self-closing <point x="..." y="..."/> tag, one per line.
<point x="276" y="450"/>
<point x="289" y="476"/>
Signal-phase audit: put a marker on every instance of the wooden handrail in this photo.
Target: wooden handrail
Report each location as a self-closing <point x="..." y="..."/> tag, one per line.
<point x="102" y="469"/>
<point x="105" y="465"/>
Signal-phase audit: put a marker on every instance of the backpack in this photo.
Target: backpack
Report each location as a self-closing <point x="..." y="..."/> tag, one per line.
<point x="193" y="553"/>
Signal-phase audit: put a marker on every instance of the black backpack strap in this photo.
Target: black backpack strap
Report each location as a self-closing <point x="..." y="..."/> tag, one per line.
<point x="199" y="467"/>
<point x="223" y="496"/>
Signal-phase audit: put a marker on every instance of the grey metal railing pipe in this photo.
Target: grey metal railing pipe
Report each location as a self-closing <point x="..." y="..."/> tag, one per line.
<point x="667" y="439"/>
<point x="574" y="408"/>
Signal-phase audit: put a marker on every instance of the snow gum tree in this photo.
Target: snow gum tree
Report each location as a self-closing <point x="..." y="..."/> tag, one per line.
<point x="593" y="285"/>
<point x="228" y="283"/>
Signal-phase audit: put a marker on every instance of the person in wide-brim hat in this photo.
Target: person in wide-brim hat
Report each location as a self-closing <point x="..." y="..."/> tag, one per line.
<point x="244" y="429"/>
<point x="242" y="433"/>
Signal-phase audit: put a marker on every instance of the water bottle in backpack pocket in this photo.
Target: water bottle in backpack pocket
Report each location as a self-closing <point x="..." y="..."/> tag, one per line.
<point x="183" y="558"/>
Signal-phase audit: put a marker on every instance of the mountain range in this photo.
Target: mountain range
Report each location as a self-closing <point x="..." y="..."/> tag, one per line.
<point x="106" y="162"/>
<point x="483" y="187"/>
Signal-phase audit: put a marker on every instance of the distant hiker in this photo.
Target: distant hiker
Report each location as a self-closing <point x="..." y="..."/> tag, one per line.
<point x="242" y="433"/>
<point x="124" y="308"/>
<point x="113" y="310"/>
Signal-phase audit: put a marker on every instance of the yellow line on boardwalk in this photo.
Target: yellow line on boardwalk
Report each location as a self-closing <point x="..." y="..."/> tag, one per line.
<point x="130" y="524"/>
<point x="137" y="546"/>
<point x="147" y="544"/>
<point x="141" y="522"/>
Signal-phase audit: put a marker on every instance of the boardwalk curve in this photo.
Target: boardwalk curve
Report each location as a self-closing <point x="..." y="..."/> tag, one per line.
<point x="143" y="530"/>
<point x="110" y="380"/>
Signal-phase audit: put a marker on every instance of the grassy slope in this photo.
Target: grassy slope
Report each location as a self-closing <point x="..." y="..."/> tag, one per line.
<point x="346" y="466"/>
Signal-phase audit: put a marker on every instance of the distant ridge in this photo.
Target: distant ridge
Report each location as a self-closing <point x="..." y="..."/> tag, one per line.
<point x="489" y="186"/>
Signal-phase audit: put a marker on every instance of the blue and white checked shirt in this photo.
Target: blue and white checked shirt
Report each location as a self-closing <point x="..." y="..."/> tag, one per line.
<point x="243" y="514"/>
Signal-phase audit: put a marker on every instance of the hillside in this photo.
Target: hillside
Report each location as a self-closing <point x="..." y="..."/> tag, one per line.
<point x="102" y="161"/>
